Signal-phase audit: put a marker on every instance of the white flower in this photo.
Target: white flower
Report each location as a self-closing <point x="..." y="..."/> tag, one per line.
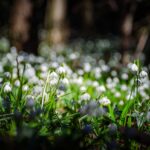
<point x="82" y="88"/>
<point x="17" y="83"/>
<point x="121" y="102"/>
<point x="87" y="67"/>
<point x="80" y="72"/>
<point x="29" y="72"/>
<point x="7" y="88"/>
<point x="43" y="67"/>
<point x="101" y="89"/>
<point x="116" y="80"/>
<point x="53" y="82"/>
<point x="61" y="70"/>
<point x="143" y="74"/>
<point x="104" y="101"/>
<point x="25" y="88"/>
<point x="54" y="64"/>
<point x="105" y="68"/>
<point x="124" y="87"/>
<point x="85" y="96"/>
<point x="124" y="76"/>
<point x="114" y="73"/>
<point x="117" y="94"/>
<point x="133" y="68"/>
<point x="65" y="81"/>
<point x="97" y="70"/>
<point x="95" y="84"/>
<point x="53" y="75"/>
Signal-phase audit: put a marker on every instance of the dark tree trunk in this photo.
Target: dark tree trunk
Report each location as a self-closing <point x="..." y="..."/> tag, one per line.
<point x="127" y="17"/>
<point x="19" y="23"/>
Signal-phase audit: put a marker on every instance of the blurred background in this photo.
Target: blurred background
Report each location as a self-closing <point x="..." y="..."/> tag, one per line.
<point x="120" y="25"/>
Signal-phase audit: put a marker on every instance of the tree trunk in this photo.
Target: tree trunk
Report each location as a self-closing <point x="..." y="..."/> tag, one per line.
<point x="56" y="25"/>
<point x="19" y="23"/>
<point x="126" y="29"/>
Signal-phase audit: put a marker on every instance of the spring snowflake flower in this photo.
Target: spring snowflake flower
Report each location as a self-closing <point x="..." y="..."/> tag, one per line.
<point x="95" y="84"/>
<point x="80" y="72"/>
<point x="53" y="75"/>
<point x="124" y="76"/>
<point x="43" y="67"/>
<point x="117" y="94"/>
<point x="82" y="88"/>
<point x="29" y="72"/>
<point x="65" y="81"/>
<point x="114" y="73"/>
<point x="124" y="87"/>
<point x="134" y="68"/>
<point x="61" y="70"/>
<point x="101" y="89"/>
<point x="54" y="64"/>
<point x="87" y="67"/>
<point x="104" y="101"/>
<point x="7" y="88"/>
<point x="121" y="102"/>
<point x="53" y="82"/>
<point x="17" y="83"/>
<point x="85" y="96"/>
<point x="143" y="74"/>
<point x="25" y="88"/>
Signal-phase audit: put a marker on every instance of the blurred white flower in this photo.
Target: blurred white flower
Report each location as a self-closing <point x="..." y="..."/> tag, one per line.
<point x="54" y="64"/>
<point x="143" y="74"/>
<point x="74" y="55"/>
<point x="97" y="72"/>
<point x="85" y="96"/>
<point x="61" y="70"/>
<point x="80" y="72"/>
<point x="87" y="67"/>
<point x="113" y="73"/>
<point x="53" y="82"/>
<point x="43" y="67"/>
<point x="53" y="75"/>
<point x="7" y="88"/>
<point x="101" y="89"/>
<point x="82" y="88"/>
<point x="116" y="80"/>
<point x="104" y="101"/>
<point x="65" y="81"/>
<point x="134" y="68"/>
<point x="25" y="88"/>
<point x="105" y="68"/>
<point x="117" y="94"/>
<point x="121" y="102"/>
<point x="95" y="84"/>
<point x="17" y="83"/>
<point x="124" y="76"/>
<point x="29" y="72"/>
<point x="124" y="87"/>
